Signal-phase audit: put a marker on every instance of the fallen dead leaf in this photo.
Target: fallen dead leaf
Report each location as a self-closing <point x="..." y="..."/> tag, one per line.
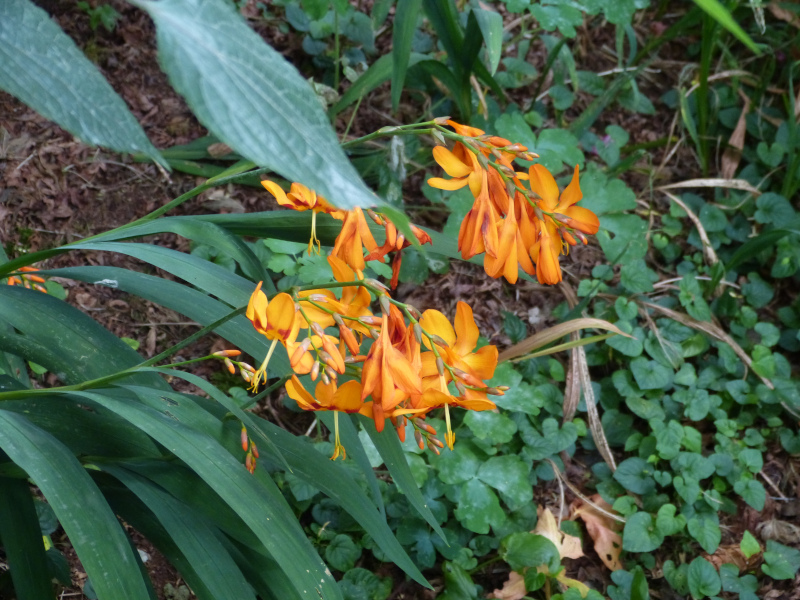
<point x="733" y="153"/>
<point x="603" y="530"/>
<point x="733" y="554"/>
<point x="784" y="15"/>
<point x="568" y="546"/>
<point x="513" y="589"/>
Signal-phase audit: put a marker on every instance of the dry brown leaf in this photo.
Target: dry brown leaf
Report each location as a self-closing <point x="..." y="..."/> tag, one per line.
<point x="551" y="334"/>
<point x="733" y="153"/>
<point x="732" y="554"/>
<point x="568" y="546"/>
<point x="513" y="589"/>
<point x="784" y="15"/>
<point x="603" y="530"/>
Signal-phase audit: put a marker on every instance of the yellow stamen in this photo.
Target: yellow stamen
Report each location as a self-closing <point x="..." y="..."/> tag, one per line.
<point x="449" y="437"/>
<point x="338" y="448"/>
<point x="262" y="370"/>
<point x="314" y="241"/>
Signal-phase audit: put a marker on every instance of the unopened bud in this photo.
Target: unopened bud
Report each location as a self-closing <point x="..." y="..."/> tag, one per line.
<point x="581" y="237"/>
<point x="386" y="305"/>
<point x="374" y="216"/>
<point x="325" y="379"/>
<point x="515" y="148"/>
<point x="338" y="320"/>
<point x="494" y="391"/>
<point x="228" y="353"/>
<point x="229" y="365"/>
<point x="529" y="156"/>
<point x="370" y="320"/>
<point x="250" y="463"/>
<point x="246" y="367"/>
<point x="315" y="371"/>
<point x="418" y="333"/>
<point x="331" y="373"/>
<point x="375" y="283"/>
<point x="412" y="310"/>
<point x="299" y="352"/>
<point x="419" y="439"/>
<point x="244" y="438"/>
<point x="39" y="288"/>
<point x="253" y="449"/>
<point x="318" y="329"/>
<point x="441" y="120"/>
<point x="440" y="366"/>
<point x="461" y="389"/>
<point x="433" y="448"/>
<point x="438" y="340"/>
<point x="439" y="138"/>
<point x="245" y="375"/>
<point x="355" y="359"/>
<point x="401" y="239"/>
<point x="503" y="388"/>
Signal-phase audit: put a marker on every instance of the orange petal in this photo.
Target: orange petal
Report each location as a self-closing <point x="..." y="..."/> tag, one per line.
<point x="348" y="397"/>
<point x="582" y="219"/>
<point x="280" y="317"/>
<point x="483" y="362"/>
<point x="543" y="183"/>
<point x="451" y="164"/>
<point x="467" y="333"/>
<point x="465" y="130"/>
<point x="447" y="184"/>
<point x="299" y="394"/>
<point x="572" y="193"/>
<point x="436" y="323"/>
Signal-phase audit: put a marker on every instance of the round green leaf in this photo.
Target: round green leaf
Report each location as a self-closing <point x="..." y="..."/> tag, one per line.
<point x="524" y="549"/>
<point x="703" y="578"/>
<point x="641" y="534"/>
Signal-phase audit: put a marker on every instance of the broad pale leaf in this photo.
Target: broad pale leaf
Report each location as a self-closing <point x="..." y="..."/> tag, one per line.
<point x="251" y="98"/>
<point x="42" y="66"/>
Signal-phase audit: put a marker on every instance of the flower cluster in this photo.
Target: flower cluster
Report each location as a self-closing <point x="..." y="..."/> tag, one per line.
<point x="355" y="235"/>
<point x="517" y="226"/>
<point x="26" y="278"/>
<point x="416" y="362"/>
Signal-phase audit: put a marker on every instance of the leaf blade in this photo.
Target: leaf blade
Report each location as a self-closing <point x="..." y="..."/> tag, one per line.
<point x="42" y="66"/>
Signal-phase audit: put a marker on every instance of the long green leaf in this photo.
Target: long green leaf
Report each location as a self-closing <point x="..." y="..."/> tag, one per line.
<point x="405" y="23"/>
<point x="192" y="534"/>
<point x="92" y="528"/>
<point x="63" y="339"/>
<point x="256" y="500"/>
<point x="491" y="24"/>
<point x="98" y="432"/>
<point x="197" y="231"/>
<point x="187" y="301"/>
<point x="22" y="541"/>
<point x="134" y="512"/>
<point x="395" y="459"/>
<point x="765" y="239"/>
<point x="251" y="98"/>
<point x="44" y="68"/>
<point x="724" y="18"/>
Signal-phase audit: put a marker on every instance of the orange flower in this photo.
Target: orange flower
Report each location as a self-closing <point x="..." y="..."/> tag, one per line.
<point x="512" y="253"/>
<point x="478" y="232"/>
<point x="461" y="343"/>
<point x="275" y="320"/>
<point x="327" y="396"/>
<point x="545" y="254"/>
<point x="301" y="198"/>
<point x="471" y="400"/>
<point x="397" y="242"/>
<point x="576" y="217"/>
<point x="350" y="242"/>
<point x="461" y="164"/>
<point x="388" y="375"/>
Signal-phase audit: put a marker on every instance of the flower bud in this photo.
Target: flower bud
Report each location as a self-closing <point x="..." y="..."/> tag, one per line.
<point x="439" y="138"/>
<point x="244" y="438"/>
<point x="412" y="310"/>
<point x="433" y="448"/>
<point x="375" y="283"/>
<point x="325" y="379"/>
<point x="401" y="239"/>
<point x="331" y="373"/>
<point x="503" y="388"/>
<point x="441" y="120"/>
<point x="229" y="365"/>
<point x="374" y="216"/>
<point x="318" y="330"/>
<point x="419" y="439"/>
<point x="228" y="353"/>
<point x="321" y="298"/>
<point x="494" y="391"/>
<point x="253" y="449"/>
<point x="386" y="305"/>
<point x="438" y="340"/>
<point x="315" y="371"/>
<point x="418" y="333"/>
<point x="461" y="389"/>
<point x="440" y="366"/>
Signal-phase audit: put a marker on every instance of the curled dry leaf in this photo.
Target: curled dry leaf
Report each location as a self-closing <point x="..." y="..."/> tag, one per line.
<point x="568" y="546"/>
<point x="513" y="589"/>
<point x="733" y="153"/>
<point x="603" y="530"/>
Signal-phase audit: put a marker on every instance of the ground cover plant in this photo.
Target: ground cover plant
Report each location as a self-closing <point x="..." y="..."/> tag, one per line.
<point x="445" y="299"/>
